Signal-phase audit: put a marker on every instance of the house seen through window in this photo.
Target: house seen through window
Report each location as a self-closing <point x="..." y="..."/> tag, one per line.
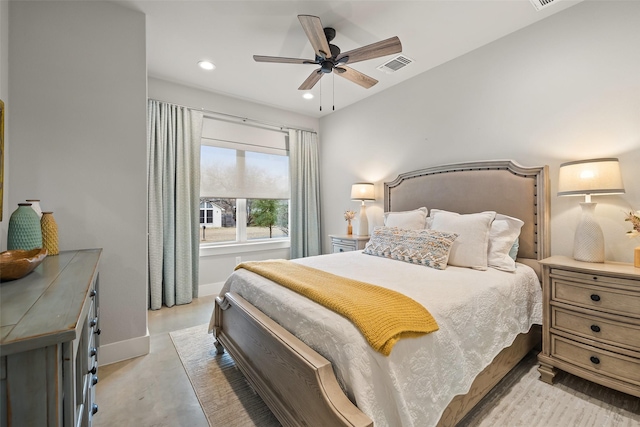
<point x="244" y="183"/>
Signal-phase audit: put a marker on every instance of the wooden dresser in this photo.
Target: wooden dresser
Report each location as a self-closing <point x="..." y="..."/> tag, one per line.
<point x="591" y="322"/>
<point x="49" y="332"/>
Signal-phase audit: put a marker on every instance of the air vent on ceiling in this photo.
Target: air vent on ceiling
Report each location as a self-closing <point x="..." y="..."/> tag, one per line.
<point x="395" y="64"/>
<point x="541" y="4"/>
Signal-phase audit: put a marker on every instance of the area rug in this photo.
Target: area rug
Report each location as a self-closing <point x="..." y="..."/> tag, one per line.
<point x="520" y="399"/>
<point x="224" y="394"/>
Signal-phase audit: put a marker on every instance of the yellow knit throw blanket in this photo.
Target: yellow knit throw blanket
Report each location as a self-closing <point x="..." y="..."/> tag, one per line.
<point x="382" y="315"/>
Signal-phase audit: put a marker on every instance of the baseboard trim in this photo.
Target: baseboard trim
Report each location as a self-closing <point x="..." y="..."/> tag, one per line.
<point x="210" y="289"/>
<point x="123" y="350"/>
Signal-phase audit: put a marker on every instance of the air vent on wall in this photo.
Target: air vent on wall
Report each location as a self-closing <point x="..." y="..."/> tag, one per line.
<point x="541" y="4"/>
<point x="395" y="64"/>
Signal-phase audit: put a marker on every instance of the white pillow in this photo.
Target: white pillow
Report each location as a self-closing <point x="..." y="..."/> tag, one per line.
<point x="502" y="236"/>
<point x="409" y="220"/>
<point x="470" y="249"/>
<point x="428" y="222"/>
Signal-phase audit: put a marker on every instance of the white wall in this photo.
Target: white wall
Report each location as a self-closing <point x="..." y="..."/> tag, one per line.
<point x="217" y="265"/>
<point x="78" y="143"/>
<point x="565" y="88"/>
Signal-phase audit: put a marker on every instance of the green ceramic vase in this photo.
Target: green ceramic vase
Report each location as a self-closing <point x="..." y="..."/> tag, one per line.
<point x="24" y="229"/>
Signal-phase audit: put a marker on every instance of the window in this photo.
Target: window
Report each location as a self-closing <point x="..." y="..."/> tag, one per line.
<point x="244" y="184"/>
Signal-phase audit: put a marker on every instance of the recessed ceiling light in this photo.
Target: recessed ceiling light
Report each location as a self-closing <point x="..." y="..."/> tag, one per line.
<point x="206" y="65"/>
<point x="308" y="95"/>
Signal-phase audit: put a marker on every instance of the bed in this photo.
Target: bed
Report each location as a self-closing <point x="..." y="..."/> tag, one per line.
<point x="317" y="376"/>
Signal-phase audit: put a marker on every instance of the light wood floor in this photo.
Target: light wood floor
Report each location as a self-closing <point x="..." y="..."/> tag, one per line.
<point x="154" y="390"/>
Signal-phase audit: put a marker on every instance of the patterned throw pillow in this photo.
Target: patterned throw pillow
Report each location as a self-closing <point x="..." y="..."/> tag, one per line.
<point x="423" y="247"/>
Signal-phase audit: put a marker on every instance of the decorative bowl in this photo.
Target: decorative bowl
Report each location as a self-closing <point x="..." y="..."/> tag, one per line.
<point x="17" y="263"/>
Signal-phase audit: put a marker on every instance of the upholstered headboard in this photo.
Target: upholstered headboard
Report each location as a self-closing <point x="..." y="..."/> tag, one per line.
<point x="498" y="185"/>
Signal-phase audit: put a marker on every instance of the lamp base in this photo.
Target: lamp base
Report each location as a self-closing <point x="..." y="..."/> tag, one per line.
<point x="363" y="222"/>
<point x="588" y="243"/>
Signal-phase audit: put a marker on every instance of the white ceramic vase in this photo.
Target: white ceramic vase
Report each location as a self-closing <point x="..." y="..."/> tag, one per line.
<point x="35" y="205"/>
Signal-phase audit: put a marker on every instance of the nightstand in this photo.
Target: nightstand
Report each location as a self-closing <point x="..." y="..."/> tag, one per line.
<point x="347" y="242"/>
<point x="591" y="322"/>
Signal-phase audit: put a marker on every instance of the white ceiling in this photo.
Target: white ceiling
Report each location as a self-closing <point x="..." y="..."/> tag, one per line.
<point x="229" y="33"/>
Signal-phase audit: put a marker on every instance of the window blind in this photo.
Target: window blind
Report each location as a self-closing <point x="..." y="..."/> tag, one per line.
<point x="242" y="161"/>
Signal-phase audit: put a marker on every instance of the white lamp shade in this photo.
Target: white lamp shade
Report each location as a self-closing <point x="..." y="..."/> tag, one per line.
<point x="362" y="191"/>
<point x="595" y="176"/>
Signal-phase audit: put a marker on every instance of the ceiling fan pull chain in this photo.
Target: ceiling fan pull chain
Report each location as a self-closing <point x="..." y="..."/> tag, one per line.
<point x="320" y="95"/>
<point x="333" y="89"/>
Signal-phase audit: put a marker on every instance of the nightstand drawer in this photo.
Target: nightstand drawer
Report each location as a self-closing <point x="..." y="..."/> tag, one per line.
<point x="603" y="362"/>
<point x="611" y="300"/>
<point x="592" y="279"/>
<point x="347" y="243"/>
<point x="593" y="327"/>
<point x="343" y="242"/>
<point x="343" y="248"/>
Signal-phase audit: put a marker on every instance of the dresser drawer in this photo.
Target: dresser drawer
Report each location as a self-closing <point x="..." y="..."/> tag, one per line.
<point x="593" y="327"/>
<point x="603" y="362"/>
<point x="616" y="301"/>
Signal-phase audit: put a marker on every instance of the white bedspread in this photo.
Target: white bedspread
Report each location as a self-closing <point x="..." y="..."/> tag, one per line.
<point x="479" y="314"/>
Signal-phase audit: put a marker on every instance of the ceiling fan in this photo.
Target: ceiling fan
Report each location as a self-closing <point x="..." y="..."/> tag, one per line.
<point x="329" y="57"/>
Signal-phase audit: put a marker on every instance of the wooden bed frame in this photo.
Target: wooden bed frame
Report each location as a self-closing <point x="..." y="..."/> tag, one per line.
<point x="299" y="385"/>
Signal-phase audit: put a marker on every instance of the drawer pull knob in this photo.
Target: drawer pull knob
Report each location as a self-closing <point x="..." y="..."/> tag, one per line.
<point x="595" y="297"/>
<point x="595" y="277"/>
<point x="98" y="331"/>
<point x="595" y="328"/>
<point x="94" y="409"/>
<point x="93" y="322"/>
<point x="93" y="293"/>
<point x="594" y="360"/>
<point x="341" y="250"/>
<point x="93" y="370"/>
<point x="94" y="380"/>
<point x="93" y="351"/>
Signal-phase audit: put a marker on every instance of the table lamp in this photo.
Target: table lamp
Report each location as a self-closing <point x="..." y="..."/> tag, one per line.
<point x="362" y="191"/>
<point x="587" y="178"/>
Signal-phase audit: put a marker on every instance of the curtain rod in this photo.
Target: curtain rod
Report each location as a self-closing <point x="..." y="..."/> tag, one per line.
<point x="244" y="119"/>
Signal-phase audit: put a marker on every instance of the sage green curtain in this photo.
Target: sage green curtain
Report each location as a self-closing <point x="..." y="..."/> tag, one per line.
<point x="173" y="134"/>
<point x="305" y="194"/>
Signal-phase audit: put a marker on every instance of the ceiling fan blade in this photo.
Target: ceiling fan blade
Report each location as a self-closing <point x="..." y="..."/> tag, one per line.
<point x="279" y="59"/>
<point x="355" y="76"/>
<point x="315" y="33"/>
<point x="311" y="81"/>
<point x="371" y="51"/>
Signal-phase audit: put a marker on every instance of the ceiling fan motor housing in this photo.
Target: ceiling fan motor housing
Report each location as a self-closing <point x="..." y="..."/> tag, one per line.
<point x="326" y="66"/>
